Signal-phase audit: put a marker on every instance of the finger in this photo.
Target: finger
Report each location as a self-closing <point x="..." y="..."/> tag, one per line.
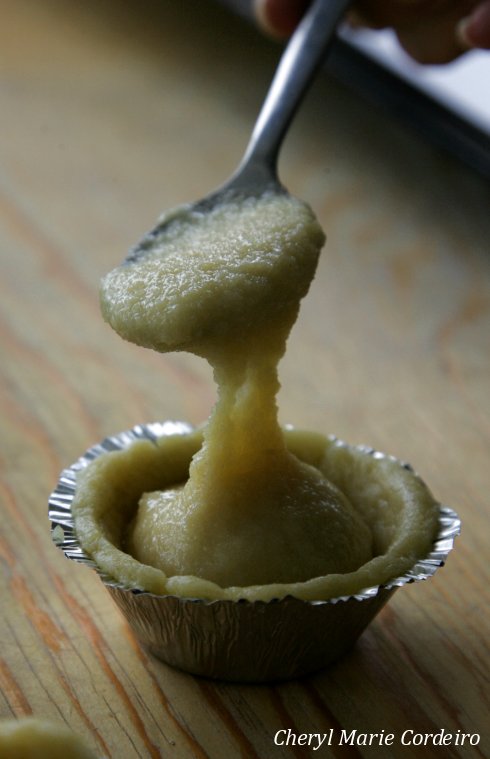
<point x="427" y="49"/>
<point x="395" y="13"/>
<point x="435" y="39"/>
<point x="279" y="18"/>
<point x="474" y="30"/>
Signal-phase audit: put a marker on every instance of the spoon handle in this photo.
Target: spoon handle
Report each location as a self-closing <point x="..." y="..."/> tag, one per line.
<point x="297" y="67"/>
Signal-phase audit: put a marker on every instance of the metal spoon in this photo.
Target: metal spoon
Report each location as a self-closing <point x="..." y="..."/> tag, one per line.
<point x="257" y="172"/>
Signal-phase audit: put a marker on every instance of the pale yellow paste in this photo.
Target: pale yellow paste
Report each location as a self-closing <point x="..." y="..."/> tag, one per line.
<point x="33" y="738"/>
<point x="250" y="516"/>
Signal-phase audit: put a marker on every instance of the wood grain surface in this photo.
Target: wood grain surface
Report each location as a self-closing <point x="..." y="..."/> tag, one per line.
<point x="112" y="111"/>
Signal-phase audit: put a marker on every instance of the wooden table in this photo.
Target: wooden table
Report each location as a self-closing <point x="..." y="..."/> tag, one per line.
<point x="111" y="112"/>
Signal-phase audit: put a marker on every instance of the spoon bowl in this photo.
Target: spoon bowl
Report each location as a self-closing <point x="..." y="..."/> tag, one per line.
<point x="257" y="171"/>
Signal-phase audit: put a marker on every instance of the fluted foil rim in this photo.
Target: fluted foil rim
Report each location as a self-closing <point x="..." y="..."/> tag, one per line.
<point x="64" y="535"/>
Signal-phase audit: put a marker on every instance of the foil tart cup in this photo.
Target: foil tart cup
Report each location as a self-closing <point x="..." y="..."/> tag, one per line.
<point x="241" y="641"/>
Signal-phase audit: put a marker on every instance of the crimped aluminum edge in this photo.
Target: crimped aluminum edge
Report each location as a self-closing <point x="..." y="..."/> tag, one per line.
<point x="64" y="536"/>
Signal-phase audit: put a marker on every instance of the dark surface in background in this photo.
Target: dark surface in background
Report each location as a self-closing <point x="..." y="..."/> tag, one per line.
<point x="373" y="81"/>
<point x="437" y="123"/>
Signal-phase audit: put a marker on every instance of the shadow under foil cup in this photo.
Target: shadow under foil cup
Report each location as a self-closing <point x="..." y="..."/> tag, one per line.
<point x="241" y="641"/>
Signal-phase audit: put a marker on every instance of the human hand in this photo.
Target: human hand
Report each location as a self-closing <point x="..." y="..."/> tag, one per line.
<point x="430" y="31"/>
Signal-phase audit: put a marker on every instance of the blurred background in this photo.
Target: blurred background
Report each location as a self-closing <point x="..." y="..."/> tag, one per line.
<point x="447" y="104"/>
<point x="112" y="111"/>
